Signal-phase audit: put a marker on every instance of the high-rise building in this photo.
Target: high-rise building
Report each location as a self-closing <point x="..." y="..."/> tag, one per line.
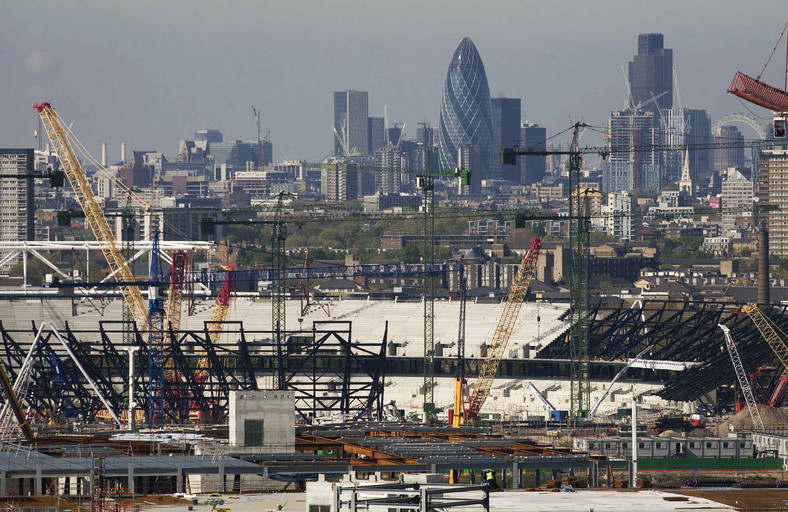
<point x="350" y="122"/>
<point x="470" y="158"/>
<point x="237" y="155"/>
<point x="466" y="112"/>
<point x="17" y="206"/>
<point x="637" y="169"/>
<point x="651" y="73"/>
<point x="687" y="126"/>
<point x="505" y="134"/>
<point x="725" y="158"/>
<point x="737" y="198"/>
<point x="618" y="214"/>
<point x="389" y="160"/>
<point x="425" y="135"/>
<point x="376" y="137"/>
<point x="208" y="135"/>
<point x="772" y="180"/>
<point x="532" y="167"/>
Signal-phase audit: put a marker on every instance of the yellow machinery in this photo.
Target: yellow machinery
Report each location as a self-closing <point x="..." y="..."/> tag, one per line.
<point x="512" y="305"/>
<point x="776" y="340"/>
<point x="93" y="212"/>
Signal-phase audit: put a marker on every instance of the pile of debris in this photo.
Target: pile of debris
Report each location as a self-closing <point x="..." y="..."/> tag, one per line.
<point x="773" y="417"/>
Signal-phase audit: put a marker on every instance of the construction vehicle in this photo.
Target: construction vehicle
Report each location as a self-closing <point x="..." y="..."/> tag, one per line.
<point x="548" y="405"/>
<point x="497" y="346"/>
<point x="775" y="338"/>
<point x="94" y="214"/>
<point x="752" y="406"/>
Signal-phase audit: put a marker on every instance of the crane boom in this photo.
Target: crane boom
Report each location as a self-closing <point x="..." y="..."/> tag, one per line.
<point x="215" y="327"/>
<point x="770" y="332"/>
<point x="752" y="406"/>
<point x="512" y="305"/>
<point x="93" y="212"/>
<point x="177" y="283"/>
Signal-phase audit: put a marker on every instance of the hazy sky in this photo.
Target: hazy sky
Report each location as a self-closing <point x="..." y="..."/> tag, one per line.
<point x="150" y="73"/>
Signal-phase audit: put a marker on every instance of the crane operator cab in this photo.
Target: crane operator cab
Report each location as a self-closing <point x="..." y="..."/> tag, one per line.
<point x="779" y="124"/>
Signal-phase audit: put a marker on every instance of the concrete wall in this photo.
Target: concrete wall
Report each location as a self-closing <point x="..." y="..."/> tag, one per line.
<point x="277" y="411"/>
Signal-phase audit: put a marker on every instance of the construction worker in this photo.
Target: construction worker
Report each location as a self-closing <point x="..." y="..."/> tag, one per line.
<point x="489" y="479"/>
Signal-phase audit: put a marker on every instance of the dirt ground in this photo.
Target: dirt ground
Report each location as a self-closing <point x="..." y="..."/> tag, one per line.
<point x="743" y="499"/>
<point x="30" y="502"/>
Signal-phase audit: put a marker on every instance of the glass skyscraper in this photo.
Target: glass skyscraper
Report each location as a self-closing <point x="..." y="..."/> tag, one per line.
<point x="466" y="112"/>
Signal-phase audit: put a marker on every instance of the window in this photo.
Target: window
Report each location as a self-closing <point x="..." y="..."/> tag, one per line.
<point x="725" y="444"/>
<point x="659" y="445"/>
<point x="253" y="433"/>
<point x="708" y="445"/>
<point x="319" y="508"/>
<point x="641" y="445"/>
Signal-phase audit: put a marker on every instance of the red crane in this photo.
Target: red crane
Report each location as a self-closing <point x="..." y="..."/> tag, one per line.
<point x="760" y="93"/>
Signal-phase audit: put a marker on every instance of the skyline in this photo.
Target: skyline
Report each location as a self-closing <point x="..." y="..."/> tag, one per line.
<point x="150" y="76"/>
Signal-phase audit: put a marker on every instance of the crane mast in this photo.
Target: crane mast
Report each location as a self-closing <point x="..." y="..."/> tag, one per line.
<point x="93" y="212"/>
<point x="742" y="376"/>
<point x="511" y="308"/>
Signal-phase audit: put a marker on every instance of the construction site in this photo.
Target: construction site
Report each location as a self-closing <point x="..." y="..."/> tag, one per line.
<point x="176" y="381"/>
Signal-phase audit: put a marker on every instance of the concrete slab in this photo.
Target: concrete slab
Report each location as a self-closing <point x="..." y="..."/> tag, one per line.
<point x="510" y="501"/>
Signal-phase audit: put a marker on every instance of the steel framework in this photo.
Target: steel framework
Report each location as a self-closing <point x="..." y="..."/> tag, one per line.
<point x="328" y="371"/>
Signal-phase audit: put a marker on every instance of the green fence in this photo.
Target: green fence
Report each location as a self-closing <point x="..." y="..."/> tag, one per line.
<point x="697" y="464"/>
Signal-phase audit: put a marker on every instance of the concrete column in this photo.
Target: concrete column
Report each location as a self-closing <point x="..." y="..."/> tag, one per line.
<point x="130" y="483"/>
<point x="473" y="475"/>
<point x="433" y="468"/>
<point x="3" y="483"/>
<point x="517" y="476"/>
<point x="609" y="475"/>
<point x="179" y="480"/>
<point x="503" y="478"/>
<point x="537" y="477"/>
<point x="593" y="474"/>
<point x="38" y="484"/>
<point x="222" y="482"/>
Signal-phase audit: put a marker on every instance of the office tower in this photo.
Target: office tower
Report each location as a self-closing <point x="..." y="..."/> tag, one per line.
<point x="532" y="167"/>
<point x="208" y="135"/>
<point x="505" y="134"/>
<point x="773" y="175"/>
<point x="470" y="158"/>
<point x="17" y="206"/>
<point x="466" y="113"/>
<point x="651" y="73"/>
<point x="350" y="122"/>
<point x="687" y="126"/>
<point x="376" y="137"/>
<point x="237" y="155"/>
<point x="637" y="169"/>
<point x="725" y="158"/>
<point x="425" y="135"/>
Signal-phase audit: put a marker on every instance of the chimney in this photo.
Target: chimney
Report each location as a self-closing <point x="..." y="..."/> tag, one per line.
<point x="123" y="152"/>
<point x="103" y="154"/>
<point x="763" y="265"/>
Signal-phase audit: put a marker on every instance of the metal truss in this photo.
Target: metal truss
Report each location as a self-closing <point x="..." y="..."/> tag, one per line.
<point x="11" y="250"/>
<point x="676" y="331"/>
<point x="329" y="373"/>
